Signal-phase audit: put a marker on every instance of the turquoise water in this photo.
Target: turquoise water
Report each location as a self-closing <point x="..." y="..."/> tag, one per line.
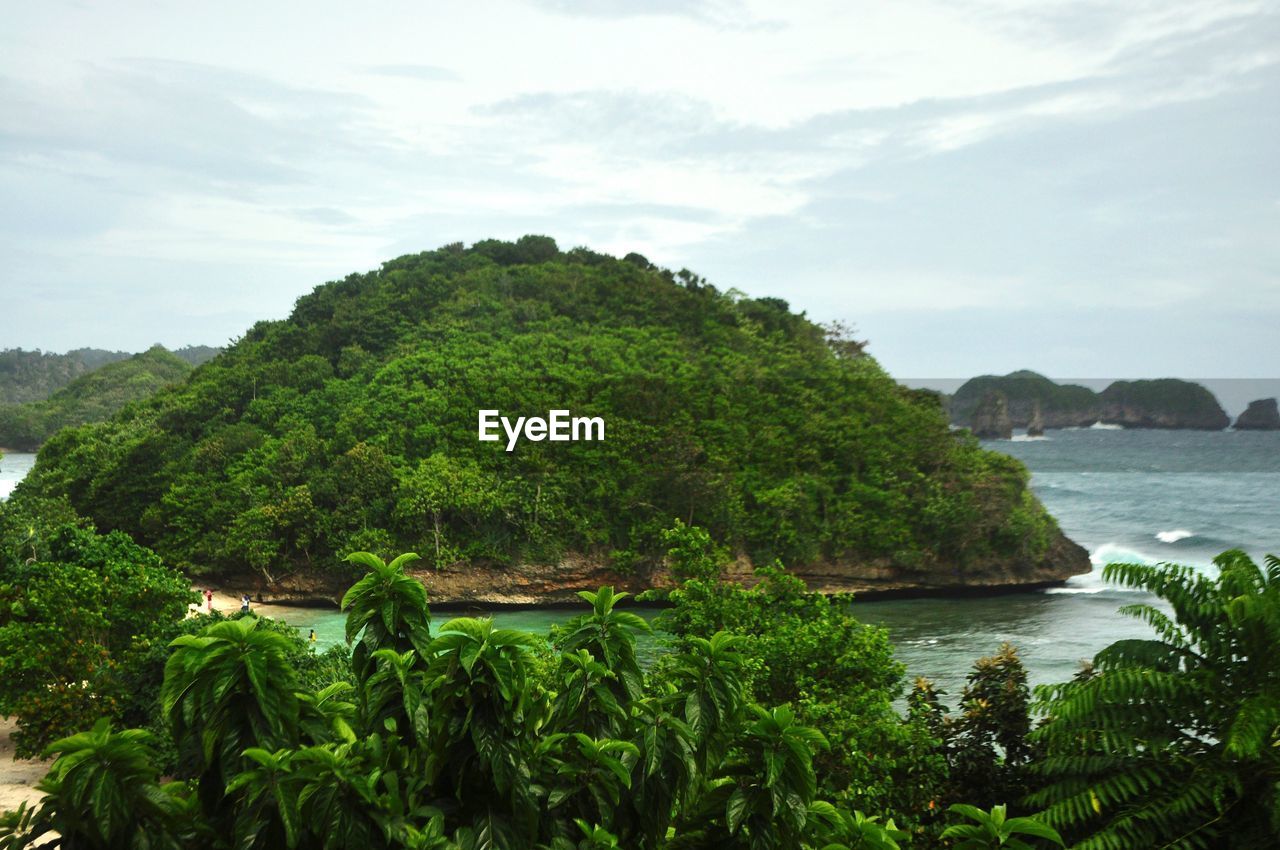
<point x="330" y="625"/>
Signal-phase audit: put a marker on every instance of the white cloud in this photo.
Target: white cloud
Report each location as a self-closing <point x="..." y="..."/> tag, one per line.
<point x="860" y="159"/>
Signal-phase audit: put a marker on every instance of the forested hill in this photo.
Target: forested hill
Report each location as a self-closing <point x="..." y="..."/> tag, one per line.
<point x="92" y="397"/>
<point x="352" y="425"/>
<point x="34" y="375"/>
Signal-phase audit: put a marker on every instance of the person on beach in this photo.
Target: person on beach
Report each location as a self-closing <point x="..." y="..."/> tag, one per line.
<point x="244" y="603"/>
<point x="208" y="600"/>
<point x="312" y="637"/>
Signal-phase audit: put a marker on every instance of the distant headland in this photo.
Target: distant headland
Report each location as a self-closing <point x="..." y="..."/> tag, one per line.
<point x="993" y="405"/>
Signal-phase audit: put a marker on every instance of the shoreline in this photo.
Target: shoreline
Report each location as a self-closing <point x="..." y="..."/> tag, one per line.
<point x="18" y="777"/>
<point x="228" y="603"/>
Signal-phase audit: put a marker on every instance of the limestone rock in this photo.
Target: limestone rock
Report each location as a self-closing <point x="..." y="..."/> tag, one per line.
<point x="990" y="420"/>
<point x="1035" y="427"/>
<point x="1261" y="415"/>
<point x="1162" y="403"/>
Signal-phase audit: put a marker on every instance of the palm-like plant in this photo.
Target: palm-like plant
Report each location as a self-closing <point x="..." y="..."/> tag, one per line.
<point x="1175" y="741"/>
<point x="584" y="701"/>
<point x="386" y="609"/>
<point x="610" y="636"/>
<point x="482" y="709"/>
<point x="101" y="792"/>
<point x="225" y="690"/>
<point x="591" y="776"/>
<point x="665" y="777"/>
<point x="709" y="680"/>
<point x="767" y="800"/>
<point x="993" y="830"/>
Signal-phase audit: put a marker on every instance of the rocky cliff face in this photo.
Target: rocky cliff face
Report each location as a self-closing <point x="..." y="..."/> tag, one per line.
<point x="1261" y="415"/>
<point x="1035" y="428"/>
<point x="1061" y="405"/>
<point x="1163" y="403"/>
<point x="990" y="419"/>
<point x="558" y="584"/>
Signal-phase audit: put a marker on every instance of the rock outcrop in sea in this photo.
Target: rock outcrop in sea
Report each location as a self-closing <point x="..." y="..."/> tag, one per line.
<point x="1261" y="415"/>
<point x="1061" y="405"/>
<point x="1162" y="403"/>
<point x="990" y="420"/>
<point x="1035" y="428"/>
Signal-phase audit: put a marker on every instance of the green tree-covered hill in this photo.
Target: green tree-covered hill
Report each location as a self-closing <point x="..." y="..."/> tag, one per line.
<point x="1061" y="405"/>
<point x="92" y="397"/>
<point x="34" y="375"/>
<point x="352" y="425"/>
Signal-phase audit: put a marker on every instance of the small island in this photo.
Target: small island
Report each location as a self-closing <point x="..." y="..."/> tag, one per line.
<point x="1261" y="415"/>
<point x="1036" y="403"/>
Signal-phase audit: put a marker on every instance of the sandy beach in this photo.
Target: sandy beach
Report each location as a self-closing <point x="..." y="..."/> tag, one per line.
<point x="17" y="777"/>
<point x="228" y="602"/>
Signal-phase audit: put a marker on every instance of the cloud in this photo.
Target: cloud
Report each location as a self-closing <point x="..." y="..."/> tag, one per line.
<point x="970" y="166"/>
<point x="425" y="73"/>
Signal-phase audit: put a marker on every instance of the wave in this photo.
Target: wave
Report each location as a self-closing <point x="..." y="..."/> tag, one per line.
<point x="1024" y="438"/>
<point x="1118" y="553"/>
<point x="1105" y="426"/>
<point x="1174" y="536"/>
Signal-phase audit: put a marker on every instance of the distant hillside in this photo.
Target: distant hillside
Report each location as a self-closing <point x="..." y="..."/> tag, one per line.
<point x="93" y="397"/>
<point x="197" y="354"/>
<point x="353" y="425"/>
<point x="34" y="375"/>
<point x="1161" y="403"/>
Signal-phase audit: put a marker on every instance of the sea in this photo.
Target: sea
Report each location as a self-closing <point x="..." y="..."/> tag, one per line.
<point x="1133" y="496"/>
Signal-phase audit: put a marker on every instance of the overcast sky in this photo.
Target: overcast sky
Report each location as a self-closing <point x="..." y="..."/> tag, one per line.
<point x="1083" y="188"/>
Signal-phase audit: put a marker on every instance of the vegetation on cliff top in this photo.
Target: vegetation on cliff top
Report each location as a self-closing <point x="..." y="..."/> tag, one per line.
<point x="92" y="397"/>
<point x="352" y="426"/>
<point x="1022" y="389"/>
<point x="1158" y="403"/>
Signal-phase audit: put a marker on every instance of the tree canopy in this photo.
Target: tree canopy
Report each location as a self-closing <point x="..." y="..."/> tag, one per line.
<point x="351" y="425"/>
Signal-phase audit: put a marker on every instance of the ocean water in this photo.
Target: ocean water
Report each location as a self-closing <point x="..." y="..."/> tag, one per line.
<point x="1147" y="496"/>
<point x="14" y="466"/>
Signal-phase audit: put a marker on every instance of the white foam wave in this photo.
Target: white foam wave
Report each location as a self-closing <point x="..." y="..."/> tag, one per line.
<point x="1023" y="438"/>
<point x="1114" y="553"/>
<point x="1174" y="536"/>
<point x="6" y="487"/>
<point x="1106" y="426"/>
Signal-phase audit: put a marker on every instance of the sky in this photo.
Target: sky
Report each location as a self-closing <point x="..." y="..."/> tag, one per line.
<point x="1082" y="188"/>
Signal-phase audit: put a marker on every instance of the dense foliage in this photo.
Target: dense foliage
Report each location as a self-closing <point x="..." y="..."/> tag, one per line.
<point x="808" y="650"/>
<point x="476" y="737"/>
<point x="1024" y="390"/>
<point x="352" y="425"/>
<point x="75" y="609"/>
<point x="93" y="397"/>
<point x="1175" y="741"/>
<point x="33" y="375"/>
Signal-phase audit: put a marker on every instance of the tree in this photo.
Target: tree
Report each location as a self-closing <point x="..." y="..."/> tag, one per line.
<point x="1174" y="741"/>
<point x="74" y="607"/>
<point x="499" y="740"/>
